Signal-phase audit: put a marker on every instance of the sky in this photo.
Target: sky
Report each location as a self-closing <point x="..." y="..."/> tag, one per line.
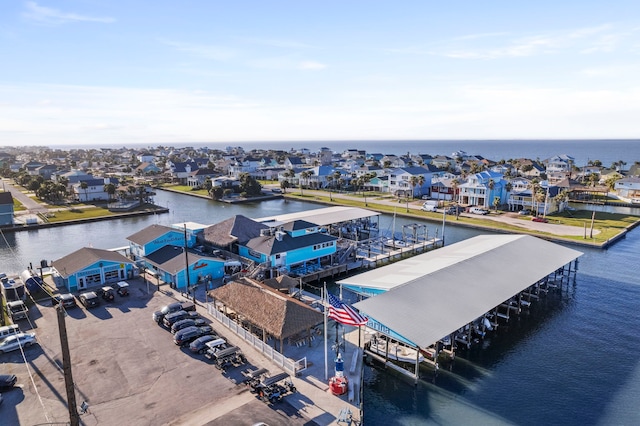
<point x="96" y="72"/>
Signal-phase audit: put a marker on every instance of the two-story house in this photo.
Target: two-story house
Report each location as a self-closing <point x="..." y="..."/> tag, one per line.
<point x="483" y="189"/>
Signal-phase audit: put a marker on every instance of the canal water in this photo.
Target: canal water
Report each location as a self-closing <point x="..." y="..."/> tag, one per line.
<point x="574" y="360"/>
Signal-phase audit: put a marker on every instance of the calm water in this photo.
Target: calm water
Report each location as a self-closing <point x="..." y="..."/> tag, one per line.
<point x="607" y="151"/>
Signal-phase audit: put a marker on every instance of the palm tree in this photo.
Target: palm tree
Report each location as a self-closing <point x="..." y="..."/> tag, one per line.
<point x="413" y="181"/>
<point x="110" y="189"/>
<point x="454" y="183"/>
<point x="329" y="182"/>
<point x="303" y="177"/>
<point x="491" y="185"/>
<point x="420" y="183"/>
<point x="534" y="185"/>
<point x="85" y="186"/>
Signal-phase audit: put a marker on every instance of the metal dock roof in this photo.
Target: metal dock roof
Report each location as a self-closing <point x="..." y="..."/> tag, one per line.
<point x="433" y="294"/>
<point x="321" y="217"/>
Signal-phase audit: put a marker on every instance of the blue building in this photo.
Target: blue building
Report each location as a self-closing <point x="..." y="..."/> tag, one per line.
<point x="161" y="249"/>
<point x="6" y="209"/>
<point x="91" y="267"/>
<point x="294" y="246"/>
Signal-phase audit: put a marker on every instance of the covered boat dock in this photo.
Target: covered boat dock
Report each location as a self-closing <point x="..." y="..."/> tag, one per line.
<point x="423" y="299"/>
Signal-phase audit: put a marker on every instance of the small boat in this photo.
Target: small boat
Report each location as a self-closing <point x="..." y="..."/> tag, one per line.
<point x="397" y="351"/>
<point x="395" y="243"/>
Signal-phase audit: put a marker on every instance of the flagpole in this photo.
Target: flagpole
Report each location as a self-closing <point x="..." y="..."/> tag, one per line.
<point x="324" y="301"/>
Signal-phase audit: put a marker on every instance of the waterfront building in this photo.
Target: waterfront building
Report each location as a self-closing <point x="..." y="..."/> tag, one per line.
<point x="483" y="189"/>
<point x="91" y="267"/>
<point x="400" y="181"/>
<point x="421" y="300"/>
<point x="6" y="208"/>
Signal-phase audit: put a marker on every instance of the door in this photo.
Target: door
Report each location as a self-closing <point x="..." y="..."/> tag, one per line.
<point x="82" y="284"/>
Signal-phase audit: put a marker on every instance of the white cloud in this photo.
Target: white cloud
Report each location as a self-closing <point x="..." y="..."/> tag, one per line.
<point x="311" y="65"/>
<point x="103" y="115"/>
<point x="47" y="15"/>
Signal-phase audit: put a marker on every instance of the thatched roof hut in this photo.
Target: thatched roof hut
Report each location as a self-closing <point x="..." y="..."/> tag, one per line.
<point x="275" y="314"/>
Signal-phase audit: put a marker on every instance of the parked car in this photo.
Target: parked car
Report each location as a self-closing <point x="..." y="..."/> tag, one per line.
<point x="174" y="317"/>
<point x="158" y="316"/>
<point x="187" y="322"/>
<point x="200" y="344"/>
<point x="107" y="293"/>
<point x="15" y="341"/>
<point x="540" y="219"/>
<point x="189" y="334"/>
<point x="478" y="210"/>
<point x="17" y="310"/>
<point x="524" y="212"/>
<point x="454" y="210"/>
<point x="122" y="288"/>
<point x="66" y="299"/>
<point x="7" y="381"/>
<point x="89" y="299"/>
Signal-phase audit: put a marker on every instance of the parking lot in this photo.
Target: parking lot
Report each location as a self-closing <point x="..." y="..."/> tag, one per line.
<point x="128" y="370"/>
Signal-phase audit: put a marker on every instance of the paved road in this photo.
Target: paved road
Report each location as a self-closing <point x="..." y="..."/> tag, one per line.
<point x="513" y="219"/>
<point x="31" y="205"/>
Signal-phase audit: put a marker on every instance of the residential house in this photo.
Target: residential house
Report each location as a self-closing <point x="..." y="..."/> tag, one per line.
<point x="197" y="178"/>
<point x="47" y="171"/>
<point x="293" y="162"/>
<point x="94" y="190"/>
<point x="629" y="189"/>
<point x="546" y="201"/>
<point x="443" y="162"/>
<point x="147" y="168"/>
<point x="180" y="171"/>
<point x="559" y="167"/>
<point x="247" y="165"/>
<point x="401" y="181"/>
<point x="483" y="189"/>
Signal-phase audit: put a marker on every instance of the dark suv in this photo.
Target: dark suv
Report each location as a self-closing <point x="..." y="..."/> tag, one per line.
<point x="174" y="317"/>
<point x="89" y="299"/>
<point x="67" y="300"/>
<point x="189" y="334"/>
<point x="187" y="322"/>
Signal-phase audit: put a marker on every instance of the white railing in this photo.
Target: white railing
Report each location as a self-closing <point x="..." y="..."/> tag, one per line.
<point x="288" y="365"/>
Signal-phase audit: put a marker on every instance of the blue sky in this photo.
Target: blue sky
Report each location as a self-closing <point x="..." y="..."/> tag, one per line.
<point x="114" y="72"/>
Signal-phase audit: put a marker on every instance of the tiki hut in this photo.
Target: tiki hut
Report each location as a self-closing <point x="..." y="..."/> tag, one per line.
<point x="266" y="310"/>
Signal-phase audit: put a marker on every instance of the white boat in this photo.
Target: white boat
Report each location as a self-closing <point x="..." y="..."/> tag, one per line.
<point x="395" y="243"/>
<point x="397" y="351"/>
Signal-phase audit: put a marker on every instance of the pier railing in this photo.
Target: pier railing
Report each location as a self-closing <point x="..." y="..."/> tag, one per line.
<point x="288" y="365"/>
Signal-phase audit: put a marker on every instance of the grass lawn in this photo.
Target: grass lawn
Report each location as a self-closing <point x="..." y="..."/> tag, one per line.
<point x="79" y="213"/>
<point x="609" y="224"/>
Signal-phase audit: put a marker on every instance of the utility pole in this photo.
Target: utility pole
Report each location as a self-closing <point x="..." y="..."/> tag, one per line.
<point x="74" y="418"/>
<point x="186" y="260"/>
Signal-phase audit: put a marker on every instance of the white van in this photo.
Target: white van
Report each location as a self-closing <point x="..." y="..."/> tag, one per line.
<point x="478" y="210"/>
<point x="430" y="206"/>
<point x="8" y="330"/>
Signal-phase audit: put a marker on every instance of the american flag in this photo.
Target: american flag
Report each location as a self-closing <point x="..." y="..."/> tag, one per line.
<point x="343" y="313"/>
